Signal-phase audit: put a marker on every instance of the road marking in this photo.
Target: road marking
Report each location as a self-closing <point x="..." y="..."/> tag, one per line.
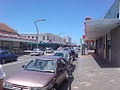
<point x="76" y="87"/>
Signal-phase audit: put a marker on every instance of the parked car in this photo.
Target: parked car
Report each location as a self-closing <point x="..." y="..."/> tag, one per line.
<point x="64" y="54"/>
<point x="37" y="52"/>
<point x="43" y="73"/>
<point x="76" y="54"/>
<point x="27" y="51"/>
<point x="6" y="55"/>
<point x="72" y="52"/>
<point x="49" y="51"/>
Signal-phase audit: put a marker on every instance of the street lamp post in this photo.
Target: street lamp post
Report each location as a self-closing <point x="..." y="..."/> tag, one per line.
<point x="38" y="29"/>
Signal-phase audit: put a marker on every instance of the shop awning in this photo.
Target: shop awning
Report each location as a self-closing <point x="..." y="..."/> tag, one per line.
<point x="5" y="37"/>
<point x="95" y="29"/>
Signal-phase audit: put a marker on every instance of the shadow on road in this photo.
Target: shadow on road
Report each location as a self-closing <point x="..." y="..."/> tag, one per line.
<point x="66" y="85"/>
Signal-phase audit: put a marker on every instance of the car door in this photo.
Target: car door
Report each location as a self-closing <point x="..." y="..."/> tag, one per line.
<point x="9" y="55"/>
<point x="5" y="55"/>
<point x="61" y="71"/>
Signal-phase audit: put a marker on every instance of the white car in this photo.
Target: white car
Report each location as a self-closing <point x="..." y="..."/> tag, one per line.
<point x="27" y="51"/>
<point x="49" y="51"/>
<point x="64" y="54"/>
<point x="37" y="52"/>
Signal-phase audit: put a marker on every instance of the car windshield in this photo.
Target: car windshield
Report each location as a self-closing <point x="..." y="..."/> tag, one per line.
<point x="59" y="54"/>
<point x="35" y="49"/>
<point x="42" y="66"/>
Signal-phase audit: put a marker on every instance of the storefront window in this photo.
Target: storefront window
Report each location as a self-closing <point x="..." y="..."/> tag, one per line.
<point x="43" y="37"/>
<point x="32" y="36"/>
<point x="47" y="37"/>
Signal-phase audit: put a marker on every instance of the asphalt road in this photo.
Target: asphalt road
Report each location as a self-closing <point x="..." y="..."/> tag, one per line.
<point x="13" y="67"/>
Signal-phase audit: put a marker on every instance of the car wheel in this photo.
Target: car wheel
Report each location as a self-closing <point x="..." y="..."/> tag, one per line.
<point x="3" y="61"/>
<point x="15" y="59"/>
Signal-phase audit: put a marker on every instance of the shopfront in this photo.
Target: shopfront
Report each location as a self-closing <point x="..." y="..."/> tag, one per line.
<point x="102" y="32"/>
<point x="15" y="44"/>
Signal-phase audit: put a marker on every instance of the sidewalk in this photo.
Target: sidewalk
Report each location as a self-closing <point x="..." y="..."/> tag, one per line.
<point x="91" y="74"/>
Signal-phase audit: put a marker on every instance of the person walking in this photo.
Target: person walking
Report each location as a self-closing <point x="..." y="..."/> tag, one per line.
<point x="83" y="49"/>
<point x="2" y="76"/>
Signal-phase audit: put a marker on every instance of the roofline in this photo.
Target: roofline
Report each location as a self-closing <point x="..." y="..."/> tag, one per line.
<point x="111" y="7"/>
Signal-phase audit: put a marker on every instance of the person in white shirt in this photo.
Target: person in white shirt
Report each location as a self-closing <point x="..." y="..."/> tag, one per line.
<point x="2" y="76"/>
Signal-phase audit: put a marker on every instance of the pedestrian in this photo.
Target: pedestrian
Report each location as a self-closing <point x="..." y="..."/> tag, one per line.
<point x="2" y="76"/>
<point x="83" y="49"/>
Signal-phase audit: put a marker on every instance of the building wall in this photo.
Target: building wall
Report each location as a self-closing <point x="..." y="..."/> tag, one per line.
<point x="52" y="37"/>
<point x="113" y="12"/>
<point x="16" y="47"/>
<point x="100" y="46"/>
<point x="115" y="46"/>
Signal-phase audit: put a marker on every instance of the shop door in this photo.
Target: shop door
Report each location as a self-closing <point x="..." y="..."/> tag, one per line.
<point x="108" y="46"/>
<point x="108" y="50"/>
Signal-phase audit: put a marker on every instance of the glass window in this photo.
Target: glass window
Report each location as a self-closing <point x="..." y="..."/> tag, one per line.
<point x="59" y="54"/>
<point x="47" y="37"/>
<point x="62" y="64"/>
<point x="32" y="36"/>
<point x="43" y="37"/>
<point x="42" y="66"/>
<point x="66" y="56"/>
<point x="36" y="37"/>
<point x="28" y="36"/>
<point x="118" y="15"/>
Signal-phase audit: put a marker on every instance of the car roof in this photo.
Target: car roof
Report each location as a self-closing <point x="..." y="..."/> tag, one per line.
<point x="49" y="57"/>
<point x="61" y="51"/>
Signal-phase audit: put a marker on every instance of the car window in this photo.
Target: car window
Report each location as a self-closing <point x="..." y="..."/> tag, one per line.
<point x="66" y="56"/>
<point x="59" y="54"/>
<point x="42" y="65"/>
<point x="61" y="63"/>
<point x="8" y="52"/>
<point x="5" y="52"/>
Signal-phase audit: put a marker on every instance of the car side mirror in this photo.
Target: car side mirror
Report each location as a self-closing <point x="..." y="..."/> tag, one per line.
<point x="23" y="66"/>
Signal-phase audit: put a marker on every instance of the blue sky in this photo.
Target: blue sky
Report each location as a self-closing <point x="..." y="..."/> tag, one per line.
<point x="62" y="16"/>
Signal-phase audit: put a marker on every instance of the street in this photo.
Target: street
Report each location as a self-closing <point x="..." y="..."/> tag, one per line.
<point x="88" y="74"/>
<point x="13" y="67"/>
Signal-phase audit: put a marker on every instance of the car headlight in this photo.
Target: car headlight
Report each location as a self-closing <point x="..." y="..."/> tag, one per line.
<point x="7" y="85"/>
<point x="38" y="88"/>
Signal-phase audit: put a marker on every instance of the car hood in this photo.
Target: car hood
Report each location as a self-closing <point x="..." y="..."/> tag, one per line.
<point x="31" y="78"/>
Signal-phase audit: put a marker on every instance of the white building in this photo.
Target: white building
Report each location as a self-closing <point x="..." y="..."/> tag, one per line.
<point x="45" y="37"/>
<point x="68" y="40"/>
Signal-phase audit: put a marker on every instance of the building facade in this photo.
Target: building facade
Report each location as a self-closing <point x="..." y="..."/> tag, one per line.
<point x="106" y="34"/>
<point x="11" y="40"/>
<point x="45" y="38"/>
<point x="67" y="40"/>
